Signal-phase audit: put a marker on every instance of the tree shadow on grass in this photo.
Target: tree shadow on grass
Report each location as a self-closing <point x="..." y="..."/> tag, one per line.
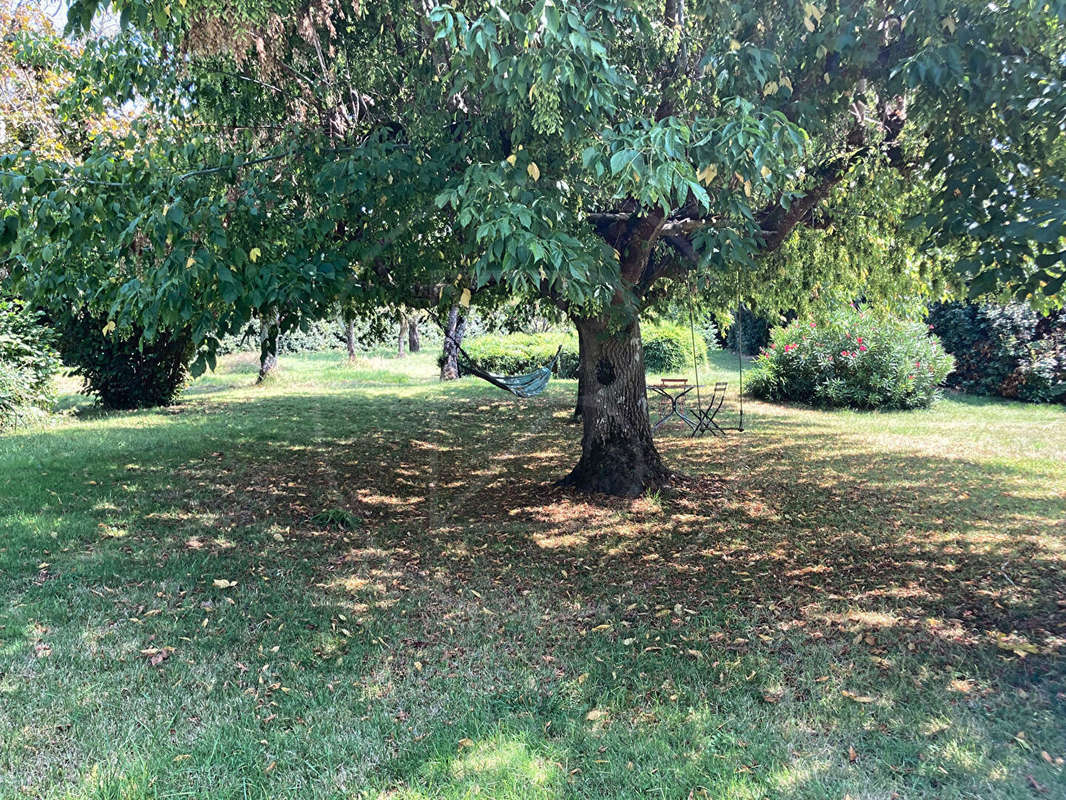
<point x="480" y="628"/>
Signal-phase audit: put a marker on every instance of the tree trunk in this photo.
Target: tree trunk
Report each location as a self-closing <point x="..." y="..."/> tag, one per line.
<point x="349" y="338"/>
<point x="402" y="337"/>
<point x="580" y="378"/>
<point x="414" y="342"/>
<point x="618" y="454"/>
<point x="453" y="338"/>
<point x="268" y="344"/>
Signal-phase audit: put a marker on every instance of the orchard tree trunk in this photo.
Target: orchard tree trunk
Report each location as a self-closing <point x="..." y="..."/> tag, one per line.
<point x="453" y="339"/>
<point x="268" y="344"/>
<point x="349" y="338"/>
<point x="414" y="342"/>
<point x="580" y="379"/>
<point x="618" y="454"/>
<point x="402" y="337"/>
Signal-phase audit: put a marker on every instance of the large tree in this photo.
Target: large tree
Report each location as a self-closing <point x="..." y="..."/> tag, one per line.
<point x="602" y="154"/>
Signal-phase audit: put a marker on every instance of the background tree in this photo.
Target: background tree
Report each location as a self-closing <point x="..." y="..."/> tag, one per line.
<point x="602" y="155"/>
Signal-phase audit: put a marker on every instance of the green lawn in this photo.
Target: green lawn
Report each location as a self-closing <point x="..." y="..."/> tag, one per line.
<point x="357" y="582"/>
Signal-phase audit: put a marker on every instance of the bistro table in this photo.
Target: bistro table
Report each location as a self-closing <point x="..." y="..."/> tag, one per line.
<point x="673" y="391"/>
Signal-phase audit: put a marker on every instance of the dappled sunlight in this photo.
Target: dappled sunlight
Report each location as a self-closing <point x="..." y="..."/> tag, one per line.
<point x="402" y="582"/>
<point x="499" y="761"/>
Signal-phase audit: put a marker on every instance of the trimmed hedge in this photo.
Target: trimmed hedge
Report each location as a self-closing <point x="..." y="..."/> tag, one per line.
<point x="121" y="370"/>
<point x="852" y="359"/>
<point x="1006" y="350"/>
<point x="667" y="348"/>
<point x="28" y="364"/>
<point x="517" y="353"/>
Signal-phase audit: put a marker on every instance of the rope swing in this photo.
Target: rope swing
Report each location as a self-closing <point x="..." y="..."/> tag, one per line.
<point x="705" y="417"/>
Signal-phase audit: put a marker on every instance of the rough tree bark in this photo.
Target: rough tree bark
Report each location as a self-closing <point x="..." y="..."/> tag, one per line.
<point x="349" y="338"/>
<point x="580" y="380"/>
<point x="414" y="342"/>
<point x="618" y="454"/>
<point x="402" y="337"/>
<point x="453" y="338"/>
<point x="268" y="343"/>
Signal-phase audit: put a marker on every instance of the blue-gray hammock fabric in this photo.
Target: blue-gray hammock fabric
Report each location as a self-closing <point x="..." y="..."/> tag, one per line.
<point x="529" y="385"/>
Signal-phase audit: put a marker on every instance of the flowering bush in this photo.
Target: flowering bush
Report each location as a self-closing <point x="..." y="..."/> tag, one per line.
<point x="853" y="358"/>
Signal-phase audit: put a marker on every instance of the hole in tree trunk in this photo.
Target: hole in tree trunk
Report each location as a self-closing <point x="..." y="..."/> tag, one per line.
<point x="605" y="372"/>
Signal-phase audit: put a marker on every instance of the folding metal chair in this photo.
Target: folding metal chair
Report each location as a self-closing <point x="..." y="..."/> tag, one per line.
<point x="705" y="417"/>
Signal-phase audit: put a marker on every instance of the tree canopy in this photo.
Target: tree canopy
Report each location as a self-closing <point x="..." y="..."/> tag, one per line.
<point x="602" y="154"/>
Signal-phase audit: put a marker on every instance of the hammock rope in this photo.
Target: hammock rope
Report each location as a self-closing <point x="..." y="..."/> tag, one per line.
<point x="529" y="384"/>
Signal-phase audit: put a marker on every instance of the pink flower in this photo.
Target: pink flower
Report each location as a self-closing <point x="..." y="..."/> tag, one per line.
<point x="773" y="347"/>
<point x="910" y="377"/>
<point x="918" y="363"/>
<point x="843" y="352"/>
<point x="813" y="325"/>
<point x="859" y="340"/>
<point x="862" y="348"/>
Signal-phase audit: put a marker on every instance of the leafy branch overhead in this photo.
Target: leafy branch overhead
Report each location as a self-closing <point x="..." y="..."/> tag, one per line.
<point x="586" y="152"/>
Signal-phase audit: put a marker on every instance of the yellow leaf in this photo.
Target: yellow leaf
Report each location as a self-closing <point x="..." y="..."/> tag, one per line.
<point x="464" y="299"/>
<point x="747" y="188"/>
<point x="595" y="714"/>
<point x="511" y="159"/>
<point x="786" y="82"/>
<point x="533" y="170"/>
<point x="734" y="45"/>
<point x="858" y="698"/>
<point x="222" y="583"/>
<point x="254" y="254"/>
<point x="466" y="742"/>
<point x="770" y="88"/>
<point x="766" y="173"/>
<point x="707" y="174"/>
<point x="949" y="24"/>
<point x="808" y="23"/>
<point x="418" y="666"/>
<point x="190" y="263"/>
<point x="110" y="326"/>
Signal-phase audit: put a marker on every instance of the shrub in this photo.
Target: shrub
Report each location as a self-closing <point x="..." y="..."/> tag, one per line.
<point x="120" y="369"/>
<point x="667" y="348"/>
<point x="754" y="330"/>
<point x="1007" y="350"/>
<point x="854" y="359"/>
<point x="517" y="353"/>
<point x="316" y="336"/>
<point x="28" y="364"/>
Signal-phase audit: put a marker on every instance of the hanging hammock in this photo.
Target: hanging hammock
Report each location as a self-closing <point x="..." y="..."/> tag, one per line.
<point x="529" y="385"/>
